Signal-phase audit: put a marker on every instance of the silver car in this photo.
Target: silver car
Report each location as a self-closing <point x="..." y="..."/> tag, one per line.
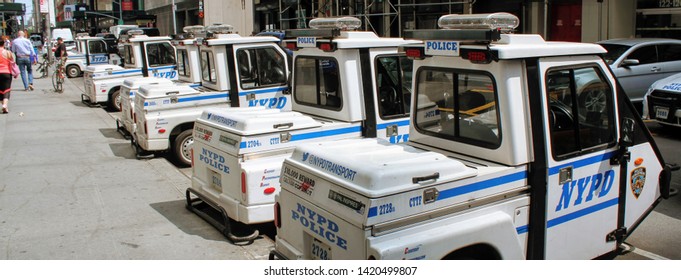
<point x="639" y="62"/>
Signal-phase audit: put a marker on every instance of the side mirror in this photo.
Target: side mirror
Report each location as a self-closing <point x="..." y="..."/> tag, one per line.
<point x="630" y="62"/>
<point x="628" y="125"/>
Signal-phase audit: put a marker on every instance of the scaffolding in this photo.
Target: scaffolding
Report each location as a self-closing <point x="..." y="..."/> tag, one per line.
<point x="384" y="17"/>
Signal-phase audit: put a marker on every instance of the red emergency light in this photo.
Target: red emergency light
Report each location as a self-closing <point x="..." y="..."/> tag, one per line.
<point x="327" y="47"/>
<point x="414" y="54"/>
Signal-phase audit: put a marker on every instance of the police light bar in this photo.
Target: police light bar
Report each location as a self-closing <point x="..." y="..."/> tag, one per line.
<point x="134" y="32"/>
<point x="82" y="34"/>
<point x="220" y="28"/>
<point x="503" y="22"/>
<point x="194" y="29"/>
<point x="342" y="23"/>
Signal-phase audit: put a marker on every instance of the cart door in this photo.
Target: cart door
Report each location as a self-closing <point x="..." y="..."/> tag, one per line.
<point x="392" y="96"/>
<point x="160" y="59"/>
<point x="262" y="75"/>
<point x="97" y="52"/>
<point x="582" y="134"/>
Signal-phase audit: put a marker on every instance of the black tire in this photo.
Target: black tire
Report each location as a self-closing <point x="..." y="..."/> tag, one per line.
<point x="73" y="71"/>
<point x="115" y="100"/>
<point x="182" y="145"/>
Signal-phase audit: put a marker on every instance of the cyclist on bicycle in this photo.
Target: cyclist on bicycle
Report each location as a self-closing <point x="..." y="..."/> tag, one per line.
<point x="61" y="54"/>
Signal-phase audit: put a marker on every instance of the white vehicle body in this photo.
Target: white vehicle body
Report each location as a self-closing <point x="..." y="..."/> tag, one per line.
<point x="238" y="153"/>
<point x="500" y="179"/>
<point x="188" y="68"/>
<point x="220" y="87"/>
<point x="662" y="102"/>
<point x="143" y="57"/>
<point x="66" y="35"/>
<point x="89" y="51"/>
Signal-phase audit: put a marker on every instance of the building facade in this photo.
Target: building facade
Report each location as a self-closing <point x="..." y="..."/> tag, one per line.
<point x="564" y="20"/>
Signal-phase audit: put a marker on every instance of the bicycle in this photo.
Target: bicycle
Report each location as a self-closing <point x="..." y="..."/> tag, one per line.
<point x="43" y="68"/>
<point x="58" y="77"/>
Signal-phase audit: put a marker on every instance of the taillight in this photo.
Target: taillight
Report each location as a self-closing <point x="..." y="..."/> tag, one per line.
<point x="292" y="46"/>
<point x="131" y="116"/>
<point x="478" y="57"/>
<point x="277" y="215"/>
<point x="191" y="151"/>
<point x="162" y="130"/>
<point x="243" y="182"/>
<point x="146" y="132"/>
<point x="134" y="116"/>
<point x="327" y="47"/>
<point x="414" y="53"/>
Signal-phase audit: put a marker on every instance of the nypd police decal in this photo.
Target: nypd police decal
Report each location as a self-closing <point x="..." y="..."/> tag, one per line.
<point x="442" y="48"/>
<point x="638" y="180"/>
<point x="323" y="227"/>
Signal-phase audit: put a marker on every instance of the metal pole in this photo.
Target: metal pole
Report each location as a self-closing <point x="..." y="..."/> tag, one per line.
<point x="172" y="8"/>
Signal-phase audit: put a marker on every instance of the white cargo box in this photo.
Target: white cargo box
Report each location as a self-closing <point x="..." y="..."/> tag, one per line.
<point x="155" y="97"/>
<point x="261" y="130"/>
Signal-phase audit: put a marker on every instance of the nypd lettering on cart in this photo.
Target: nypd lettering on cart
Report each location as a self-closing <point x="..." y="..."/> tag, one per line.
<point x="214" y="160"/>
<point x="274" y="102"/>
<point x="442" y="48"/>
<point x="307" y="42"/>
<point x="98" y="59"/>
<point x="166" y="75"/>
<point x="322" y="226"/>
<point x="598" y="186"/>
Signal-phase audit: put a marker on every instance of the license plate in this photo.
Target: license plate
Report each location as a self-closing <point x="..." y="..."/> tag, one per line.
<point x="661" y="113"/>
<point x="215" y="180"/>
<point x="320" y="251"/>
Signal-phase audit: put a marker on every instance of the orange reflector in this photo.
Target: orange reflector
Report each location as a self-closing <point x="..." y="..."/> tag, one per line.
<point x="638" y="161"/>
<point x="269" y="190"/>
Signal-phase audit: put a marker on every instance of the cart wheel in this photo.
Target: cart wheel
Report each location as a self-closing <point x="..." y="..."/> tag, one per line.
<point x="182" y="147"/>
<point x="72" y="71"/>
<point x="115" y="100"/>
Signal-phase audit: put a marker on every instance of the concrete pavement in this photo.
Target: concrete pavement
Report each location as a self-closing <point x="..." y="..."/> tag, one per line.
<point x="71" y="188"/>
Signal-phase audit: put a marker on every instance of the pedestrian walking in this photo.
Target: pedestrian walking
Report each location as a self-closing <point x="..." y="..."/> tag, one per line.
<point x="23" y="48"/>
<point x="6" y="59"/>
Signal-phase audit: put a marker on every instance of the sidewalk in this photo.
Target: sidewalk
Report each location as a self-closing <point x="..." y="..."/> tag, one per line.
<point x="71" y="188"/>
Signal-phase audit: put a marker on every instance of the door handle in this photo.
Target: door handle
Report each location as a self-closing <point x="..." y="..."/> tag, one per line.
<point x="655" y="69"/>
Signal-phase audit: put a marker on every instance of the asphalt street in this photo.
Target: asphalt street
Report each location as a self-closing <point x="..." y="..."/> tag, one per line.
<point x="71" y="188"/>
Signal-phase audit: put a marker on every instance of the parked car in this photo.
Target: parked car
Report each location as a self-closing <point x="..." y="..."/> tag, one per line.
<point x="662" y="102"/>
<point x="639" y="62"/>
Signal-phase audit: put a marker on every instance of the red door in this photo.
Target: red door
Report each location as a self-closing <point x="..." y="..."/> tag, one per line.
<point x="566" y="21"/>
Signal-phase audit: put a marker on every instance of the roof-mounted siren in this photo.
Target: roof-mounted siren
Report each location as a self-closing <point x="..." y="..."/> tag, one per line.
<point x="191" y="32"/>
<point x="458" y="29"/>
<point x="218" y="28"/>
<point x="503" y="22"/>
<point x="341" y="23"/>
<point x="80" y="35"/>
<point x="134" y="32"/>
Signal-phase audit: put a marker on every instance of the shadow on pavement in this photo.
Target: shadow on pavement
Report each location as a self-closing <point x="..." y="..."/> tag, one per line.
<point x="187" y="221"/>
<point x="111" y="133"/>
<point x="123" y="150"/>
<point x="80" y="104"/>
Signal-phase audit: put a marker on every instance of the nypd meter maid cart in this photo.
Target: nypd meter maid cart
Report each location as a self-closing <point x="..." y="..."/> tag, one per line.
<point x="187" y="70"/>
<point x="143" y="56"/>
<point x="89" y="51"/>
<point x="515" y="166"/>
<point x="235" y="71"/>
<point x="662" y="102"/>
<point x="346" y="84"/>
